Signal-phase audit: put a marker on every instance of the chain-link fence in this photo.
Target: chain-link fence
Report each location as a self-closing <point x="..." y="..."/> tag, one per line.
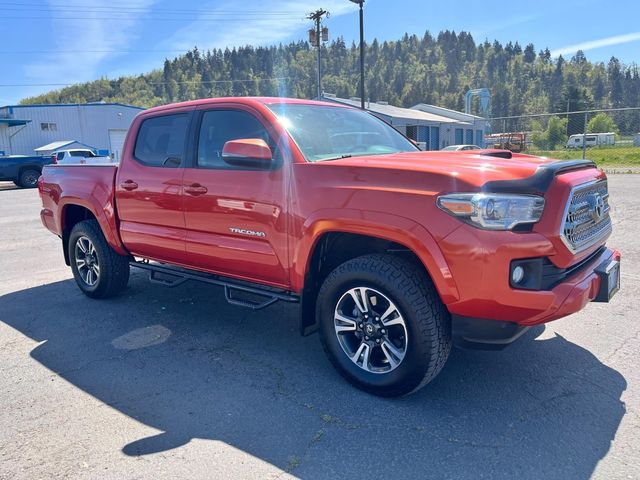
<point x="609" y="136"/>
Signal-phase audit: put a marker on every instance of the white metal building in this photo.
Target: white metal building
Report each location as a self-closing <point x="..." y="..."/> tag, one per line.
<point x="432" y="127"/>
<point x="103" y="126"/>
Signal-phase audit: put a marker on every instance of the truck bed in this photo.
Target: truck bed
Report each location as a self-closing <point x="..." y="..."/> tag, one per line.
<point x="90" y="186"/>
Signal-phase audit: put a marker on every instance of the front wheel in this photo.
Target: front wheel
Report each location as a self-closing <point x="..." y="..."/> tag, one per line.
<point x="382" y="324"/>
<point x="99" y="270"/>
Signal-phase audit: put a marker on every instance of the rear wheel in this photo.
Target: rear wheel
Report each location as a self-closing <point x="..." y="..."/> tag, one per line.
<point x="29" y="178"/>
<point x="99" y="270"/>
<point x="382" y="324"/>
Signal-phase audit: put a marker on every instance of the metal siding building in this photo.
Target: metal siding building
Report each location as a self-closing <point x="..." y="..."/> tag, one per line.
<point x="432" y="127"/>
<point x="465" y="128"/>
<point x="24" y="128"/>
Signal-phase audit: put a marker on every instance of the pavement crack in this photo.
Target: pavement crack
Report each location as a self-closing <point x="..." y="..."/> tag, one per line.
<point x="635" y="337"/>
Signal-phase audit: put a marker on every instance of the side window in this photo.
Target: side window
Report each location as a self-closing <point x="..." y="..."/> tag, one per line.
<point x="160" y="141"/>
<point x="60" y="156"/>
<point x="220" y="126"/>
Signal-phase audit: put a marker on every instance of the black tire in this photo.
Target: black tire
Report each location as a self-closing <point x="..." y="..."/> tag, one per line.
<point x="427" y="321"/>
<point x="113" y="271"/>
<point x="29" y="178"/>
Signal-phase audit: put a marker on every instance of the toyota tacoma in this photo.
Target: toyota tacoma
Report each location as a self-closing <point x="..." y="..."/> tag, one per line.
<point x="393" y="254"/>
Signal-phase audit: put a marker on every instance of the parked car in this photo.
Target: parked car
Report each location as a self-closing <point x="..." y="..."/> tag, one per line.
<point x="591" y="140"/>
<point x="79" y="156"/>
<point x="392" y="253"/>
<point x="460" y="148"/>
<point x="22" y="170"/>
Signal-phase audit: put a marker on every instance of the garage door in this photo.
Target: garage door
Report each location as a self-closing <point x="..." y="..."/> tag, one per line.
<point x="116" y="140"/>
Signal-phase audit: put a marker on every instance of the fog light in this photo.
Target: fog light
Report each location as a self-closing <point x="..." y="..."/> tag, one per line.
<point x="517" y="274"/>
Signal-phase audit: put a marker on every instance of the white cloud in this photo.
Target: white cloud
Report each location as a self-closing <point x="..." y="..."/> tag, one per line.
<point x="486" y="29"/>
<point x="593" y="44"/>
<point x="90" y="34"/>
<point x="253" y="30"/>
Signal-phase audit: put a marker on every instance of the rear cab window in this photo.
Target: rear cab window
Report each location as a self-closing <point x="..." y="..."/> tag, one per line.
<point x="161" y="140"/>
<point x="81" y="153"/>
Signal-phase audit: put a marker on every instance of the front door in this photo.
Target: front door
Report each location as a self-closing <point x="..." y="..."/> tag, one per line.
<point x="235" y="216"/>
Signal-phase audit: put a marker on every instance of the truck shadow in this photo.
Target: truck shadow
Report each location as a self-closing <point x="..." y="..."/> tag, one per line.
<point x="184" y="362"/>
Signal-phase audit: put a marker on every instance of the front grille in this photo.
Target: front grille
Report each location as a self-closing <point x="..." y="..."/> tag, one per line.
<point x="587" y="218"/>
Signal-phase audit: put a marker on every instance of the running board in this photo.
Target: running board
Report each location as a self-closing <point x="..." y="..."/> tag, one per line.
<point x="174" y="276"/>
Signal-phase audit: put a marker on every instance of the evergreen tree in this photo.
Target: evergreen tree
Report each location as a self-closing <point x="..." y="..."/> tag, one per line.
<point x="430" y="69"/>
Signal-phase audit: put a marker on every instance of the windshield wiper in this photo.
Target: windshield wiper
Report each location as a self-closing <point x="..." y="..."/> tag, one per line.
<point x="348" y="155"/>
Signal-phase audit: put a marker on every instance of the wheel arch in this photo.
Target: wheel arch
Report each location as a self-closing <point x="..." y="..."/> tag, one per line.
<point x="73" y="212"/>
<point x="341" y="241"/>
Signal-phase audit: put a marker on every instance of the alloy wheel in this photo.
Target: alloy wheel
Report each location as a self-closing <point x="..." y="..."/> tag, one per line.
<point x="370" y="330"/>
<point x="87" y="261"/>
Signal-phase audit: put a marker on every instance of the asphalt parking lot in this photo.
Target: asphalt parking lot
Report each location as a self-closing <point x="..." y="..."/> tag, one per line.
<point x="166" y="383"/>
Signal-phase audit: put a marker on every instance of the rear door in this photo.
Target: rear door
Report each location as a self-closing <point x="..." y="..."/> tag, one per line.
<point x="149" y="188"/>
<point x="235" y="216"/>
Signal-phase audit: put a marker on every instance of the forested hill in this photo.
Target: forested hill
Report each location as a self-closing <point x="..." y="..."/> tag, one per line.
<point x="437" y="70"/>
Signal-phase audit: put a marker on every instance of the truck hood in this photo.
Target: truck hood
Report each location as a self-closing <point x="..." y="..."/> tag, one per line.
<point x="472" y="168"/>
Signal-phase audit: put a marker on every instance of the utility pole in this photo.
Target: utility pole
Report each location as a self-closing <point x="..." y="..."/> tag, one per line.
<point x="361" y="4"/>
<point x="317" y="17"/>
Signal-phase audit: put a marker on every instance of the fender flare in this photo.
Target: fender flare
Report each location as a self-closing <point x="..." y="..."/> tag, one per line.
<point x="395" y="228"/>
<point x="104" y="214"/>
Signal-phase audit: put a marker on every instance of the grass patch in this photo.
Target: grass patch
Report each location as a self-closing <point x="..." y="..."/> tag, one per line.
<point x="611" y="156"/>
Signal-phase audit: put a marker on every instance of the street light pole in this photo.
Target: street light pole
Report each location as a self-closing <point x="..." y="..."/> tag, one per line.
<point x="361" y="4"/>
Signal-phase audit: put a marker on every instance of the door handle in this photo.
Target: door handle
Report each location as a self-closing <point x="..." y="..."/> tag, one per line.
<point x="129" y="185"/>
<point x="195" y="189"/>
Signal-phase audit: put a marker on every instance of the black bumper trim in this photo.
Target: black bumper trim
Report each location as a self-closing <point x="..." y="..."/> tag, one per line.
<point x="542" y="274"/>
<point x="484" y="334"/>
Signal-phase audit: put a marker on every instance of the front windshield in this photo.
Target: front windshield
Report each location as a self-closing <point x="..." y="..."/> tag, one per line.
<point x="324" y="132"/>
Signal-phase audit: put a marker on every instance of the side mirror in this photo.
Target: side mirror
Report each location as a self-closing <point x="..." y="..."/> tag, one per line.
<point x="247" y="151"/>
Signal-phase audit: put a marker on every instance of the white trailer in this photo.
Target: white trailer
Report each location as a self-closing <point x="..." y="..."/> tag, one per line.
<point x="591" y="140"/>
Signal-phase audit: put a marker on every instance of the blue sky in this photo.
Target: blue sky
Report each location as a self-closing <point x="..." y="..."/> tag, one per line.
<point x="66" y="41"/>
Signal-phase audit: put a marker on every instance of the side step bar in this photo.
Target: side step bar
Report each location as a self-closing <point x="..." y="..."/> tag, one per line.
<point x="174" y="276"/>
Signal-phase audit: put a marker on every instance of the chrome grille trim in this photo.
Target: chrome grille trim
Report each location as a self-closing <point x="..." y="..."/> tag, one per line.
<point x="580" y="228"/>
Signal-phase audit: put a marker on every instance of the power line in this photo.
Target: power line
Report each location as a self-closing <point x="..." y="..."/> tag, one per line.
<point x="183" y="82"/>
<point x="238" y="18"/>
<point x="126" y="10"/>
<point x="127" y="7"/>
<point x="122" y="12"/>
<point x="23" y="52"/>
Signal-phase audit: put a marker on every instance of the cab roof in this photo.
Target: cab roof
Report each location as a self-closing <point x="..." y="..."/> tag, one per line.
<point x="245" y="101"/>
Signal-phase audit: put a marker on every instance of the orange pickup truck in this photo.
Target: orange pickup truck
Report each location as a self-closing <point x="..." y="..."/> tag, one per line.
<point x="393" y="254"/>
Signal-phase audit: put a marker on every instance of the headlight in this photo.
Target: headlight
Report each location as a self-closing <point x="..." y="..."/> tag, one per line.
<point x="493" y="211"/>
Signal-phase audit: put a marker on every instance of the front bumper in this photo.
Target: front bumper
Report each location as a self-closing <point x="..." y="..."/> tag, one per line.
<point x="480" y="261"/>
<point x="598" y="283"/>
